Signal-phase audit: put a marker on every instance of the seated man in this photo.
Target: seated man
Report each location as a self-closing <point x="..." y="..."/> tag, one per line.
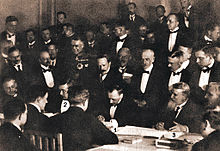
<point x="121" y="107"/>
<point x="181" y="114"/>
<point x="11" y="137"/>
<point x="64" y="88"/>
<point x="213" y="96"/>
<point x="81" y="130"/>
<point x="36" y="119"/>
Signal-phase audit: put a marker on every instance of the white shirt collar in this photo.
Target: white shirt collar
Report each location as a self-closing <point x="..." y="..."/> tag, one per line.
<point x="181" y="105"/>
<point x="17" y="126"/>
<point x="44" y="67"/>
<point x="190" y="6"/>
<point x="149" y="68"/>
<point x="124" y="36"/>
<point x="35" y="105"/>
<point x="48" y="41"/>
<point x="31" y="43"/>
<point x="179" y="69"/>
<point x="10" y="33"/>
<point x="185" y="64"/>
<point x="175" y="29"/>
<point x="211" y="64"/>
<point x="207" y="38"/>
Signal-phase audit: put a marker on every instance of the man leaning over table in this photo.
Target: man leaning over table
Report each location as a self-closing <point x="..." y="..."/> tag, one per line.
<point x="181" y="114"/>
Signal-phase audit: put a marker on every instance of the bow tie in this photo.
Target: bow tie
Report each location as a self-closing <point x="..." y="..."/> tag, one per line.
<point x="113" y="104"/>
<point x="176" y="73"/>
<point x="206" y="70"/>
<point x="145" y="72"/>
<point x="45" y="70"/>
<point x="9" y="36"/>
<point x="171" y="32"/>
<point x="120" y="40"/>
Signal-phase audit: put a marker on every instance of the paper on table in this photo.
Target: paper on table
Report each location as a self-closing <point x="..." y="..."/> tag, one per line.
<point x="140" y="131"/>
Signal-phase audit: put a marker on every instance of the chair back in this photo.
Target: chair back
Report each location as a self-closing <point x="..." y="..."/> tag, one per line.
<point x="45" y="141"/>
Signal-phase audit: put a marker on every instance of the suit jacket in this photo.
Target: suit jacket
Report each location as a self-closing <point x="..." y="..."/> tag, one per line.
<point x="185" y="77"/>
<point x="133" y="25"/>
<point x="196" y="91"/>
<point x="202" y="43"/>
<point x="12" y="139"/>
<point x="153" y="95"/>
<point x="18" y="38"/>
<point x="160" y="28"/>
<point x="36" y="120"/>
<point x="190" y="115"/>
<point x="211" y="142"/>
<point x="129" y="42"/>
<point x="81" y="130"/>
<point x="126" y="112"/>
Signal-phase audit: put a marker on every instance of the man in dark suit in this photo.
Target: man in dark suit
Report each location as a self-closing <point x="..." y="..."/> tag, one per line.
<point x="181" y="114"/>
<point x="17" y="68"/>
<point x="131" y="20"/>
<point x="30" y="47"/>
<point x="175" y="35"/>
<point x="146" y="86"/>
<point x="207" y="70"/>
<point x="37" y="101"/>
<point x="46" y="38"/>
<point x="121" y="108"/>
<point x="210" y="38"/>
<point x="11" y="136"/>
<point x="10" y="33"/>
<point x="103" y="78"/>
<point x="123" y="39"/>
<point x="142" y="35"/>
<point x="177" y="73"/>
<point x="81" y="130"/>
<point x="160" y="24"/>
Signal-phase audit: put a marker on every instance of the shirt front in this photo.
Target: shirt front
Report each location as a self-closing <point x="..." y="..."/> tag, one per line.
<point x="120" y="43"/>
<point x="12" y="37"/>
<point x="48" y="76"/>
<point x="179" y="107"/>
<point x="145" y="78"/>
<point x="172" y="39"/>
<point x="204" y="76"/>
<point x="113" y="109"/>
<point x="17" y="66"/>
<point x="175" y="78"/>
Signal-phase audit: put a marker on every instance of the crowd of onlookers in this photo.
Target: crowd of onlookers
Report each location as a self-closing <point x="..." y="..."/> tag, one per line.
<point x="163" y="75"/>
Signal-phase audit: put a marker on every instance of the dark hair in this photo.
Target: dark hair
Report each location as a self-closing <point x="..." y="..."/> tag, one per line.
<point x="211" y="26"/>
<point x="11" y="19"/>
<point x="132" y="3"/>
<point x="78" y="94"/>
<point x="177" y="54"/>
<point x="176" y="15"/>
<point x="46" y="28"/>
<point x="104" y="56"/>
<point x="12" y="49"/>
<point x="180" y="85"/>
<point x="208" y="50"/>
<point x="213" y="117"/>
<point x="36" y="91"/>
<point x="115" y="87"/>
<point x="13" y="109"/>
<point x="160" y="6"/>
<point x="30" y="30"/>
<point x="61" y="12"/>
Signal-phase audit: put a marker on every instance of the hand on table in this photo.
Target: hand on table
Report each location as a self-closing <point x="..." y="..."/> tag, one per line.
<point x="179" y="128"/>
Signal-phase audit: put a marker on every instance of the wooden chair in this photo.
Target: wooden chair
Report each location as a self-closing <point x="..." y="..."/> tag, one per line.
<point x="45" y="141"/>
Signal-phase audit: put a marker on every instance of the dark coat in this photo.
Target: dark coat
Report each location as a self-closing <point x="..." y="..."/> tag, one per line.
<point x="36" y="120"/>
<point x="81" y="130"/>
<point x="190" y="115"/>
<point x="12" y="139"/>
<point x="18" y="38"/>
<point x="211" y="142"/>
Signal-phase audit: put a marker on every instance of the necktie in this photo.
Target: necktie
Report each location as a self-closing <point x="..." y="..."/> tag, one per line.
<point x="19" y="68"/>
<point x="121" y="40"/>
<point x="9" y="36"/>
<point x="177" y="110"/>
<point x="174" y="31"/>
<point x="114" y="104"/>
<point x="146" y="72"/>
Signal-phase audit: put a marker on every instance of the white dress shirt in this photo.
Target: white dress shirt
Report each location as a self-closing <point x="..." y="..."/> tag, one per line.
<point x="175" y="78"/>
<point x="145" y="78"/>
<point x="113" y="109"/>
<point x="48" y="77"/>
<point x="185" y="64"/>
<point x="11" y="36"/>
<point x="103" y="76"/>
<point x="209" y="41"/>
<point x="47" y="42"/>
<point x="120" y="43"/>
<point x="132" y="17"/>
<point x="19" y="65"/>
<point x="204" y="76"/>
<point x="172" y="39"/>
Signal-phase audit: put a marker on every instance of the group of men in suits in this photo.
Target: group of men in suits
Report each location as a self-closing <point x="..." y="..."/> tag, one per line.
<point x="131" y="72"/>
